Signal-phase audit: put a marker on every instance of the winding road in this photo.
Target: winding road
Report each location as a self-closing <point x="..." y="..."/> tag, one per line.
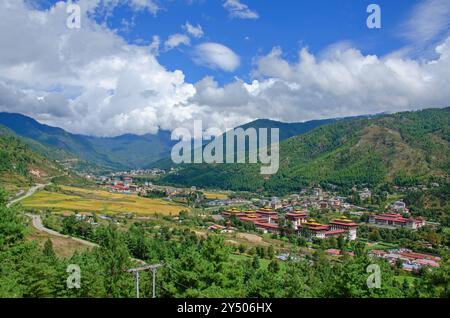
<point x="38" y="225"/>
<point x="30" y="192"/>
<point x="37" y="221"/>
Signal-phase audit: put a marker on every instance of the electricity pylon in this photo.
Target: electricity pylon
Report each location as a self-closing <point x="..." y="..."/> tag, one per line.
<point x="153" y="268"/>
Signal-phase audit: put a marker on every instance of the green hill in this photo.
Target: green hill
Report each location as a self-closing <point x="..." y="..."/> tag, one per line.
<point x="401" y="148"/>
<point x="286" y="130"/>
<point x="94" y="153"/>
<point x="20" y="166"/>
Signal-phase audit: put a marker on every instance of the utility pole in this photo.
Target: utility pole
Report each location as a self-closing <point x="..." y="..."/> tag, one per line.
<point x="153" y="268"/>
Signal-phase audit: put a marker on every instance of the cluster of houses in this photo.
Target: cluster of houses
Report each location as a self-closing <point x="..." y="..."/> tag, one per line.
<point x="228" y="202"/>
<point x="267" y="220"/>
<point x="410" y="260"/>
<point x="315" y="198"/>
<point x="139" y="172"/>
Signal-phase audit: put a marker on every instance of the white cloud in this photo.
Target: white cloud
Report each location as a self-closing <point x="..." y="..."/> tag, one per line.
<point x="428" y="20"/>
<point x="237" y="9"/>
<point x="195" y="31"/>
<point x="216" y="56"/>
<point x="149" y="5"/>
<point x="343" y="82"/>
<point x="427" y="24"/>
<point x="154" y="46"/>
<point x="175" y="40"/>
<point x="91" y="81"/>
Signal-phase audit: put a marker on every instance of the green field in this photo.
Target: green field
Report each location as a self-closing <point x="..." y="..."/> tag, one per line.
<point x="93" y="200"/>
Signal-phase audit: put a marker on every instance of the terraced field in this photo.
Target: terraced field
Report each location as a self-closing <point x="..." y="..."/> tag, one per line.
<point x="88" y="200"/>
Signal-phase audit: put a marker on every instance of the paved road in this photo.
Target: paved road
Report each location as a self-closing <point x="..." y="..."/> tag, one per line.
<point x="37" y="224"/>
<point x="37" y="221"/>
<point x="30" y="192"/>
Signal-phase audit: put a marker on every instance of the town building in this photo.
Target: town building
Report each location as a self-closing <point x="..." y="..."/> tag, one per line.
<point x="267" y="227"/>
<point x="411" y="261"/>
<point x="394" y="220"/>
<point x="399" y="207"/>
<point x="313" y="229"/>
<point x="365" y="194"/>
<point x="127" y="181"/>
<point x="276" y="203"/>
<point x="343" y="223"/>
<point x="336" y="228"/>
<point x="297" y="218"/>
<point x="267" y="213"/>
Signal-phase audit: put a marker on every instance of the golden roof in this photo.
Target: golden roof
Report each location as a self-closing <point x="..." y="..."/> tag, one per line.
<point x="343" y="218"/>
<point x="233" y="210"/>
<point x="312" y="222"/>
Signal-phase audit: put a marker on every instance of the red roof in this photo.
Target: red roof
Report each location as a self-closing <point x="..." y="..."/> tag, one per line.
<point x="253" y="220"/>
<point x="343" y="223"/>
<point x="334" y="232"/>
<point x="419" y="256"/>
<point x="396" y="218"/>
<point x="267" y="225"/>
<point x="296" y="215"/>
<point x="315" y="226"/>
<point x="266" y="212"/>
<point x="390" y="218"/>
<point x="119" y="187"/>
<point x="333" y="251"/>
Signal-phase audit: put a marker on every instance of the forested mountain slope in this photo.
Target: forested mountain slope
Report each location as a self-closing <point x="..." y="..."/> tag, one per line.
<point x="401" y="148"/>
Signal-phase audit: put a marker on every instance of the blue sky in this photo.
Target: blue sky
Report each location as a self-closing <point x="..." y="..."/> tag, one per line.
<point x="136" y="66"/>
<point x="290" y="24"/>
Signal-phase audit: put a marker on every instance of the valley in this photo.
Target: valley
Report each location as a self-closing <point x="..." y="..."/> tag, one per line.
<point x="348" y="194"/>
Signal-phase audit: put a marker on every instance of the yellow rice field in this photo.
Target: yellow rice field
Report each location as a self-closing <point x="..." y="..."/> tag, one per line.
<point x="88" y="200"/>
<point x="215" y="195"/>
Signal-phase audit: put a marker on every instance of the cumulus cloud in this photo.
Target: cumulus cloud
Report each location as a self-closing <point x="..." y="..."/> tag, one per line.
<point x="195" y="31"/>
<point x="237" y="9"/>
<point x="216" y="56"/>
<point x="86" y="80"/>
<point x="91" y="81"/>
<point x="175" y="40"/>
<point x="342" y="82"/>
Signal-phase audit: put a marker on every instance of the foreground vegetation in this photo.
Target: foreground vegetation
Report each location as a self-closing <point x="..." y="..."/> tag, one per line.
<point x="193" y="267"/>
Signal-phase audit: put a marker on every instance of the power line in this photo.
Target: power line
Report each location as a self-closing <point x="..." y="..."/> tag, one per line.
<point x="137" y="270"/>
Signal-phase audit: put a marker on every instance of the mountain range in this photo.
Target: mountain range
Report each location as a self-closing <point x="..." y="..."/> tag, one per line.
<point x="117" y="153"/>
<point x="401" y="148"/>
<point x="110" y="153"/>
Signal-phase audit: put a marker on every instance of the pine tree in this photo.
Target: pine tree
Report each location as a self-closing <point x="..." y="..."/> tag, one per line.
<point x="48" y="249"/>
